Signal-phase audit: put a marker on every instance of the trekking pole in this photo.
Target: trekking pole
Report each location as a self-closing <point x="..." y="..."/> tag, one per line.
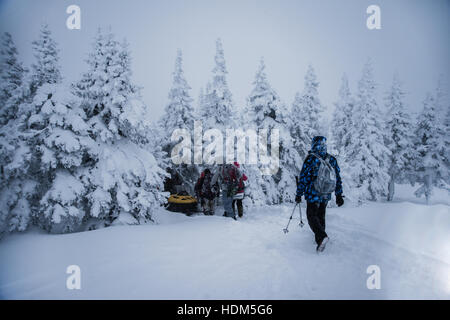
<point x="285" y="230"/>
<point x="301" y="224"/>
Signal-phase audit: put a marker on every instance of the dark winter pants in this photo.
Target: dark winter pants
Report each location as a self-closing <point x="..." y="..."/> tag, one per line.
<point x="239" y="206"/>
<point x="316" y="219"/>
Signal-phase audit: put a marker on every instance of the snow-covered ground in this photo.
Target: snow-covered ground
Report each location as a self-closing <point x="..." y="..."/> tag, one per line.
<point x="202" y="257"/>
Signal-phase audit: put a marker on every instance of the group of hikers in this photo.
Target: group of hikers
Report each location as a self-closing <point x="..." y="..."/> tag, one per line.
<point x="231" y="180"/>
<point x="319" y="177"/>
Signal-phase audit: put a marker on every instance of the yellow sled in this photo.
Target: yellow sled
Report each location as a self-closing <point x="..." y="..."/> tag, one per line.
<point x="182" y="203"/>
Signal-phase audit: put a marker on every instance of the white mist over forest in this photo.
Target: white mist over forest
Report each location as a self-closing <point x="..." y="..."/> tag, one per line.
<point x="290" y="34"/>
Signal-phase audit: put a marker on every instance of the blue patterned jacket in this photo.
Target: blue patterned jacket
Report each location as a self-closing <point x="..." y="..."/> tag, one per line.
<point x="309" y="173"/>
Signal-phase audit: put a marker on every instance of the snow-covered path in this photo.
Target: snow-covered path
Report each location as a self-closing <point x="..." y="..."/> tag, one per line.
<point x="203" y="257"/>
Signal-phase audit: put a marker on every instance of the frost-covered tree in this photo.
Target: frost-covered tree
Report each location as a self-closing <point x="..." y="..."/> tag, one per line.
<point x="12" y="74"/>
<point x="217" y="109"/>
<point x="398" y="136"/>
<point x="27" y="166"/>
<point x="106" y="90"/>
<point x="52" y="129"/>
<point x="306" y="114"/>
<point x="61" y="154"/>
<point x="290" y="163"/>
<point x="342" y="118"/>
<point x="367" y="157"/>
<point x="200" y="100"/>
<point x="16" y="189"/>
<point x="12" y="93"/>
<point x="126" y="182"/>
<point x="260" y="113"/>
<point x="430" y="166"/>
<point x="447" y="143"/>
<point x="340" y="129"/>
<point x="179" y="114"/>
<point x="265" y="111"/>
<point x="46" y="67"/>
<point x="443" y="109"/>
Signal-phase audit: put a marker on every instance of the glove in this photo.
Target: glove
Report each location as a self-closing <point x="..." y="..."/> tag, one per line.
<point x="339" y="200"/>
<point x="298" y="199"/>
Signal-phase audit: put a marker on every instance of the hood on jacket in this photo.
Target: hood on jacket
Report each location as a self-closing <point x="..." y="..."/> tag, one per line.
<point x="319" y="145"/>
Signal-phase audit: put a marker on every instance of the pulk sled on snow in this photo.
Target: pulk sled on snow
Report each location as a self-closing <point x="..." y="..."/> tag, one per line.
<point x="301" y="224"/>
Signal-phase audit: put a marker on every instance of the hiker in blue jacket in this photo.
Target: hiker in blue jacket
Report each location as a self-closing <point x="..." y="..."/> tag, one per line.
<point x="309" y="182"/>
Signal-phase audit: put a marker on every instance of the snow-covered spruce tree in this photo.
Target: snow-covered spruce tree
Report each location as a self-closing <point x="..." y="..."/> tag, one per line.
<point x="200" y="101"/>
<point x="217" y="109"/>
<point x="62" y="152"/>
<point x="430" y="166"/>
<point x="55" y="129"/>
<point x="14" y="90"/>
<point x="46" y="67"/>
<point x="340" y="130"/>
<point x="398" y="137"/>
<point x="262" y="189"/>
<point x="443" y="110"/>
<point x="154" y="134"/>
<point x="265" y="111"/>
<point x="447" y="144"/>
<point x="12" y="78"/>
<point x="342" y="118"/>
<point x="12" y="74"/>
<point x="306" y="115"/>
<point x="179" y="114"/>
<point x="18" y="192"/>
<point x="290" y="163"/>
<point x="51" y="138"/>
<point x="15" y="187"/>
<point x="125" y="183"/>
<point x="366" y="156"/>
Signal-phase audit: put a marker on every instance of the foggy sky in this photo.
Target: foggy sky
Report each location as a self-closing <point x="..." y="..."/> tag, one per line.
<point x="330" y="34"/>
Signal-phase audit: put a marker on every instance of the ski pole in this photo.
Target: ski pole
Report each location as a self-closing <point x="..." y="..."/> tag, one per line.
<point x="285" y="230"/>
<point x="300" y="206"/>
<point x="301" y="224"/>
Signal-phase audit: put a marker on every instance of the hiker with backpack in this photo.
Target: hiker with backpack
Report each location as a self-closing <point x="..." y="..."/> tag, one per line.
<point x="319" y="177"/>
<point x="206" y="192"/>
<point x="229" y="176"/>
<point x="239" y="196"/>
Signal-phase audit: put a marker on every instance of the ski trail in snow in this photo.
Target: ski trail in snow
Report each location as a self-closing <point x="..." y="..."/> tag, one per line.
<point x="400" y="267"/>
<point x="215" y="257"/>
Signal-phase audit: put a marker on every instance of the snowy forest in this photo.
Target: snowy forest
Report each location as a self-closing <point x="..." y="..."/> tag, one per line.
<point x="85" y="155"/>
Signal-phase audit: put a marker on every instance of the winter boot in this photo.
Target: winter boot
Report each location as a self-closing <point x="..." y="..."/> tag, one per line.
<point x="322" y="244"/>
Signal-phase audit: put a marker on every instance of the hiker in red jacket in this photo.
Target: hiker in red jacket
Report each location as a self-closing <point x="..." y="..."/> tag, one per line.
<point x="239" y="196"/>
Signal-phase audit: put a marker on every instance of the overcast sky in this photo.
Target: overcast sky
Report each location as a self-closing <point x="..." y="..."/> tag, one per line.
<point x="330" y="34"/>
